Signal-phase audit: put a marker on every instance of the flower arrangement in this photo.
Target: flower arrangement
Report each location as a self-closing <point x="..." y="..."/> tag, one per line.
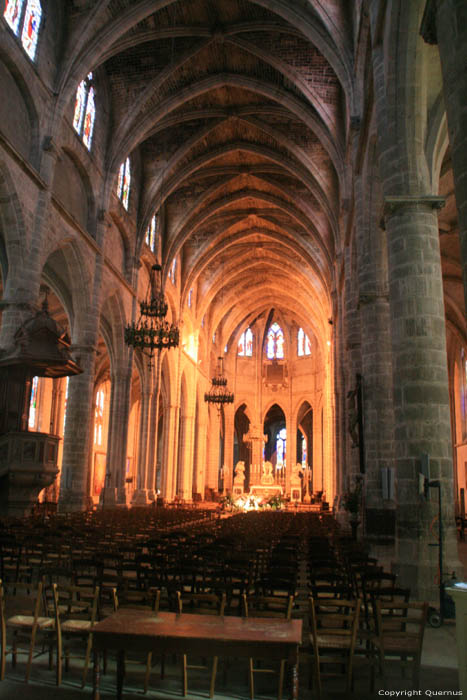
<point x="275" y="502"/>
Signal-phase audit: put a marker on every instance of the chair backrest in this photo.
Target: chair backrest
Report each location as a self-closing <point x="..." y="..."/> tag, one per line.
<point x="70" y="603"/>
<point x="268" y="606"/>
<point x="23" y="598"/>
<point x="201" y="603"/>
<point x="335" y="617"/>
<point x="401" y="619"/>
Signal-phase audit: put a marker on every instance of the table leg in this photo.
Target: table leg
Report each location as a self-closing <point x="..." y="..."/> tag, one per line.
<point x="120" y="673"/>
<point x="96" y="677"/>
<point x="294" y="682"/>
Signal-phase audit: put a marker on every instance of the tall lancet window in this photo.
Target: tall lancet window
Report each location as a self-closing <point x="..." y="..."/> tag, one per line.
<point x="85" y="111"/>
<point x="303" y="343"/>
<point x="124" y="183"/>
<point x="151" y="233"/>
<point x="24" y="18"/>
<point x="275" y="343"/>
<point x="245" y="344"/>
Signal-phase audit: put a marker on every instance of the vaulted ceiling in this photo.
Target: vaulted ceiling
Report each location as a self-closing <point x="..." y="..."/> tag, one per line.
<point x="239" y="111"/>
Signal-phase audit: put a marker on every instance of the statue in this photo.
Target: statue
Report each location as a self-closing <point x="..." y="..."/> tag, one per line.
<point x="267" y="478"/>
<point x="239" y="474"/>
<point x="297" y="472"/>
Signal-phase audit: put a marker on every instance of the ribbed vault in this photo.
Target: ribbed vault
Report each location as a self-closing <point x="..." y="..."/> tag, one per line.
<point x="238" y="111"/>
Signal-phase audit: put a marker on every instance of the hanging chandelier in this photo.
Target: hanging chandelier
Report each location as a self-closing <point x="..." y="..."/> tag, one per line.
<point x="219" y="393"/>
<point x="152" y="331"/>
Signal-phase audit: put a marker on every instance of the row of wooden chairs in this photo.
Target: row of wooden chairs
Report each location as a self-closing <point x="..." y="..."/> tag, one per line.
<point x="337" y="638"/>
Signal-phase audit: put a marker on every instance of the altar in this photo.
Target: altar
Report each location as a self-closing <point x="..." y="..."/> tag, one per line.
<point x="266" y="491"/>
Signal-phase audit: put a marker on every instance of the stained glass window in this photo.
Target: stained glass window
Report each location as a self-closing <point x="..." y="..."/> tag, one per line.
<point x="304" y="451"/>
<point x="173" y="269"/>
<point x="124" y="182"/>
<point x="31" y="24"/>
<point x="85" y="111"/>
<point x="12" y="13"/>
<point x="245" y="344"/>
<point x="65" y="404"/>
<point x="33" y="403"/>
<point x="275" y="343"/>
<point x="24" y="19"/>
<point x="151" y="234"/>
<point x="281" y="442"/>
<point x="99" y="417"/>
<point x="463" y="393"/>
<point x="303" y="343"/>
<point x="88" y="126"/>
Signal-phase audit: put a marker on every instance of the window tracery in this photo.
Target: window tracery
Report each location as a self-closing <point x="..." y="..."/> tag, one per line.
<point x="275" y="343"/>
<point x="85" y="111"/>
<point x="99" y="417"/>
<point x="151" y="233"/>
<point x="245" y="344"/>
<point x="33" y="403"/>
<point x="303" y="343"/>
<point x="124" y="183"/>
<point x="25" y="19"/>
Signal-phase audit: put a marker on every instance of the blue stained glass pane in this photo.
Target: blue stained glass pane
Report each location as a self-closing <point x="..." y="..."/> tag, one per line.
<point x="32" y="21"/>
<point x="88" y="126"/>
<point x="12" y="13"/>
<point x="241" y="345"/>
<point x="33" y="403"/>
<point x="248" y="343"/>
<point x="79" y="106"/>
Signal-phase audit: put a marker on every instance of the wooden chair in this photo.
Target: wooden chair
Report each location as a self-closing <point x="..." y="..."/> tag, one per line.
<point x="200" y="604"/>
<point x="26" y="623"/>
<point x="75" y="617"/>
<point x="334" y="628"/>
<point x="143" y="599"/>
<point x="267" y="606"/>
<point x="399" y="634"/>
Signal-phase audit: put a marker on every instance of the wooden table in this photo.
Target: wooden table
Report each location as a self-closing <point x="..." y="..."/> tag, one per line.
<point x="203" y="635"/>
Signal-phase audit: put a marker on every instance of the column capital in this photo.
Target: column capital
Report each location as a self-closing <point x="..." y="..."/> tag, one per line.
<point x="396" y="202"/>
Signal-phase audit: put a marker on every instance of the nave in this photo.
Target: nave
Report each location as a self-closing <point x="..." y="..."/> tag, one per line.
<point x="196" y="556"/>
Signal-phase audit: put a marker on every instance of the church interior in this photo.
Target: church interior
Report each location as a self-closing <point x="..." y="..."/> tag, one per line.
<point x="233" y="274"/>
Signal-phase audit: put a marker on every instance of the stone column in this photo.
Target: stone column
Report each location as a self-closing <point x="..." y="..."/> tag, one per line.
<point x="376" y="357"/>
<point x="78" y="433"/>
<point x="451" y="34"/>
<point x="229" y="417"/>
<point x="186" y="463"/>
<point x="201" y="456"/>
<point x="120" y="382"/>
<point x="291" y="448"/>
<point x="140" y="497"/>
<point x="421" y="395"/>
<point x="153" y="431"/>
<point x="213" y="449"/>
<point x="169" y="469"/>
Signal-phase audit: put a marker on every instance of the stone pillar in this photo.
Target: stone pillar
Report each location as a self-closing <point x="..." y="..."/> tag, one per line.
<point x="169" y="463"/>
<point x="421" y="394"/>
<point x="74" y="487"/>
<point x="213" y="449"/>
<point x="120" y="382"/>
<point x="140" y="497"/>
<point x="153" y="431"/>
<point x="186" y="463"/>
<point x="376" y="357"/>
<point x="229" y="418"/>
<point x="451" y="34"/>
<point x="201" y="455"/>
<point x="291" y="448"/>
